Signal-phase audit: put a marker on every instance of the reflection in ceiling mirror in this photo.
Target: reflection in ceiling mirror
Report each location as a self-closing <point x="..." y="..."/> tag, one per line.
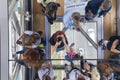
<point x="91" y="33"/>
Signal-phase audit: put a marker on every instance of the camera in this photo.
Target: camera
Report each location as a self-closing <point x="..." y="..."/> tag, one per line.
<point x="19" y="42"/>
<point x="59" y="39"/>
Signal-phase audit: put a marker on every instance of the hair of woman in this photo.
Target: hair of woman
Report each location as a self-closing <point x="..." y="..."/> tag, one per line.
<point x="59" y="33"/>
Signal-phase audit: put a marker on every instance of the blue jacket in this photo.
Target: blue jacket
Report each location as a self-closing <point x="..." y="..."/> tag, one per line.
<point x="94" y="6"/>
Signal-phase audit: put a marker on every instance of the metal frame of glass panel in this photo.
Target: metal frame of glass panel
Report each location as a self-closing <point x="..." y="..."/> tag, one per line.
<point x="4" y="39"/>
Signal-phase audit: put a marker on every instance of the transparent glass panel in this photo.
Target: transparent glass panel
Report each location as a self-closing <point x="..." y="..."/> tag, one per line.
<point x="62" y="68"/>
